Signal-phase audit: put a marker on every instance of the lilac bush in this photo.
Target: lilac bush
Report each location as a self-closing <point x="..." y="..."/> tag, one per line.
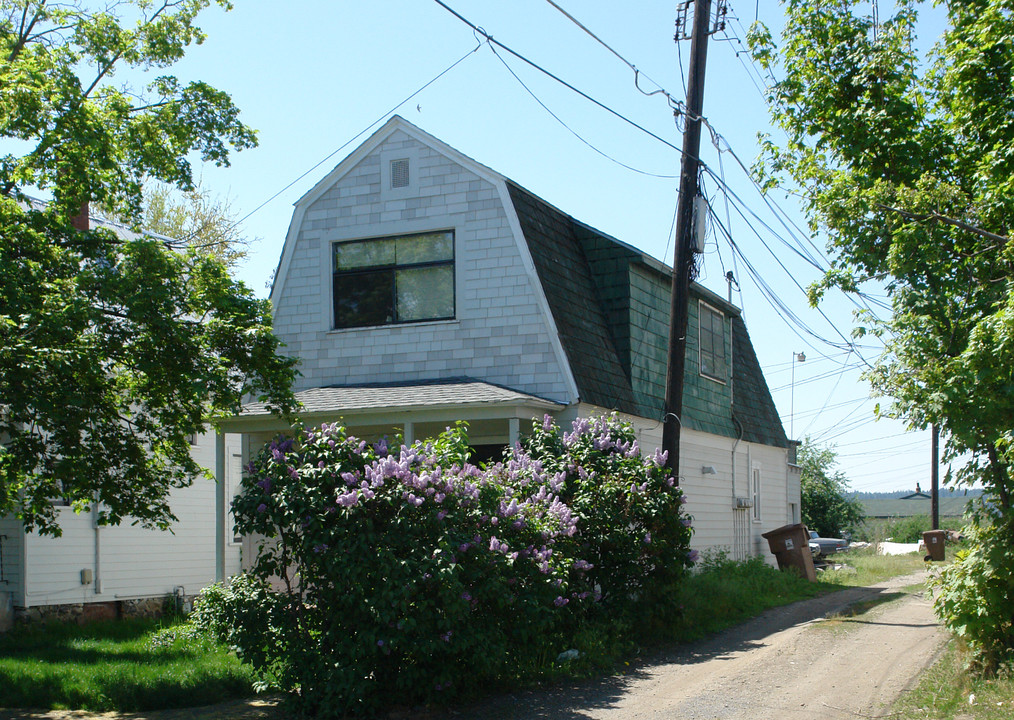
<point x="413" y="576"/>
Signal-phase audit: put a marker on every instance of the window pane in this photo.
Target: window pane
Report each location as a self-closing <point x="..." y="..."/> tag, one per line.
<point x="364" y="298"/>
<point x="426" y="293"/>
<point x="370" y="253"/>
<point x="433" y="247"/>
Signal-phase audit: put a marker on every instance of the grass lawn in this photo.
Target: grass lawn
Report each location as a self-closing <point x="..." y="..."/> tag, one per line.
<point x="947" y="691"/>
<point x="128" y="665"/>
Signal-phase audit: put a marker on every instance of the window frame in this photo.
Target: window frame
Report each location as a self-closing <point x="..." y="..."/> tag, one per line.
<point x="702" y="309"/>
<point x="393" y="269"/>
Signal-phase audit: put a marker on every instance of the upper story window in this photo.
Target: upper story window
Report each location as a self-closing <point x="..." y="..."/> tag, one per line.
<point x="402" y="279"/>
<point x="714" y="362"/>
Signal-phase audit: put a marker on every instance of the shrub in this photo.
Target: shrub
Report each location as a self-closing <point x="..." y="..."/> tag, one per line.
<point x="975" y="594"/>
<point x="416" y="576"/>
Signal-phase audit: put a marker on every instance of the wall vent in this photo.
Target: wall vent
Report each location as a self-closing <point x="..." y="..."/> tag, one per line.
<point x="399" y="173"/>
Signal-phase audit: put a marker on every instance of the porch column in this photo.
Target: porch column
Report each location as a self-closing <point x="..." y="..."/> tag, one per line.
<point x="409" y="433"/>
<point x="515" y="430"/>
<point x="220" y="524"/>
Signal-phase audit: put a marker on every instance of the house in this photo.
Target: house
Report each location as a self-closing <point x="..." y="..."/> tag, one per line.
<point x="419" y="287"/>
<point x="95" y="571"/>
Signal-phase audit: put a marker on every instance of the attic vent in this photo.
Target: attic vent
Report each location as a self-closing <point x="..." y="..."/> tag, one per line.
<point x="399" y="173"/>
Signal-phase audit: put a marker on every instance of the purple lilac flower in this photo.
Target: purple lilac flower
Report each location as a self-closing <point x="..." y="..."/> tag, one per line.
<point x="265" y="485"/>
<point x="446" y="637"/>
<point x="380" y="643"/>
<point x="261" y="508"/>
<point x="466" y="596"/>
<point x="277" y="454"/>
<point x="560" y="601"/>
<point x="583" y="565"/>
<point x="647" y="538"/>
<point x="693" y="556"/>
<point x="686" y="520"/>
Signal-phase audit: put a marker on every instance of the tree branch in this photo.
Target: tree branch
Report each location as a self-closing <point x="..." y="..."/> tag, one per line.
<point x="921" y="217"/>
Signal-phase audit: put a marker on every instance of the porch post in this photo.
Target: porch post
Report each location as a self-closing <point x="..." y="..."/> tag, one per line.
<point x="515" y="430"/>
<point x="409" y="433"/>
<point x="220" y="524"/>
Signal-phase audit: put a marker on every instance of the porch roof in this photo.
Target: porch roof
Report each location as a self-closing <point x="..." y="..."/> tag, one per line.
<point x="428" y="400"/>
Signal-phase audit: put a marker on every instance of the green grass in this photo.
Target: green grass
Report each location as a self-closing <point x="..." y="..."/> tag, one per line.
<point x="944" y="691"/>
<point x="863" y="567"/>
<point x="129" y="665"/>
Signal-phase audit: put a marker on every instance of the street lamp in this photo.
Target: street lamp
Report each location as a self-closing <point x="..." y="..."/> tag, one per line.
<point x="796" y="357"/>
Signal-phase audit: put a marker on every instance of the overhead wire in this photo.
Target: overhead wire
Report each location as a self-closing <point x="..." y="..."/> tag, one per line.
<point x="362" y="132"/>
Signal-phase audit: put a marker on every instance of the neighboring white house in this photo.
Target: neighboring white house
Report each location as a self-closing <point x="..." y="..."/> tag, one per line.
<point x="419" y="287"/>
<point x="96" y="571"/>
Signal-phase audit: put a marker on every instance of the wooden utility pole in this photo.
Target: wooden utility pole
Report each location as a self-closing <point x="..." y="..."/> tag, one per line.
<point x="935" y="479"/>
<point x="684" y="254"/>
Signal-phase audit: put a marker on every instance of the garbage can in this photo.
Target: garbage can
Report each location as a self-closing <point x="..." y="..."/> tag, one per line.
<point x="791" y="547"/>
<point x="934" y="542"/>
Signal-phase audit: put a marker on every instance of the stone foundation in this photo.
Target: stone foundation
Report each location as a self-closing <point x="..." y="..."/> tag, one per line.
<point x="82" y="613"/>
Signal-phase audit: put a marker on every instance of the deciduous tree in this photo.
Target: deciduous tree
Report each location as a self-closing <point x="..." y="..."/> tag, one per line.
<point x="113" y="350"/>
<point x="827" y="505"/>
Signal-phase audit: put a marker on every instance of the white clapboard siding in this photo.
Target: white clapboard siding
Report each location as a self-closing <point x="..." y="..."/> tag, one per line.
<point x="132" y="562"/>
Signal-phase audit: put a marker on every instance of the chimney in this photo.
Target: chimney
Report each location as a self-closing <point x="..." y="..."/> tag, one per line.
<point x="80" y="221"/>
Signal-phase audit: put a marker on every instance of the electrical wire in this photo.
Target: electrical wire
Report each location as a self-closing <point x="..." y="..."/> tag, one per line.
<point x="361" y="132"/>
<point x="572" y="130"/>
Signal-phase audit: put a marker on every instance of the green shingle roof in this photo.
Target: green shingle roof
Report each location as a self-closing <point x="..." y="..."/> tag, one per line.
<point x="610" y="303"/>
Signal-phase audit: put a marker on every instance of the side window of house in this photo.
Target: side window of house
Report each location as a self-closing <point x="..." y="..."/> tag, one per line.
<point x="384" y="281"/>
<point x="756" y="494"/>
<point x="714" y="363"/>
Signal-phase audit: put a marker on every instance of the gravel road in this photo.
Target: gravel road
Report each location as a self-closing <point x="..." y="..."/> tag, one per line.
<point x="846" y="655"/>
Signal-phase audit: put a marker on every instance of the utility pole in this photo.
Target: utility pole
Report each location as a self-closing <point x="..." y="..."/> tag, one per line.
<point x="683" y="259"/>
<point x="935" y="479"/>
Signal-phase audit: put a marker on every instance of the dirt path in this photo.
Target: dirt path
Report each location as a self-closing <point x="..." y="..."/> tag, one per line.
<point x="789" y="663"/>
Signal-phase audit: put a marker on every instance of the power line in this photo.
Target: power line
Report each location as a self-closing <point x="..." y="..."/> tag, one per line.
<point x="360" y="134"/>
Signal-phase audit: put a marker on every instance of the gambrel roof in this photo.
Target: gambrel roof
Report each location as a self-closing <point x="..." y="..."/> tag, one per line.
<point x="606" y="305"/>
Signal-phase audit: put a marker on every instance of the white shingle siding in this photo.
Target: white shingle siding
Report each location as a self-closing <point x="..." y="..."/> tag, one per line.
<point x="134" y="562"/>
<point x="491" y="282"/>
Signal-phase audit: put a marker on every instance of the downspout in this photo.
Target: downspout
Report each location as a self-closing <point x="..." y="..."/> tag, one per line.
<point x="97" y="580"/>
<point x="735" y="446"/>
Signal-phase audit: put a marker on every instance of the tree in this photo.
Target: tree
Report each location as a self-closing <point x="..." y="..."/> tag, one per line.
<point x="113" y="351"/>
<point x="908" y="168"/>
<point x="827" y="505"/>
<point x="195" y="219"/>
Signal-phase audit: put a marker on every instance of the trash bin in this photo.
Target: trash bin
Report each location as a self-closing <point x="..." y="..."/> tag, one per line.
<point x="934" y="542"/>
<point x="791" y="547"/>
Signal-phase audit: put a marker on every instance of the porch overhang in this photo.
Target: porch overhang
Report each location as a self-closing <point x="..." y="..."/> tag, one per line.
<point x="430" y="401"/>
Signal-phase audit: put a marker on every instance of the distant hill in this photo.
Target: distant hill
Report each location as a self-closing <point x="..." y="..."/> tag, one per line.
<point x="895" y="494"/>
<point x="888" y="505"/>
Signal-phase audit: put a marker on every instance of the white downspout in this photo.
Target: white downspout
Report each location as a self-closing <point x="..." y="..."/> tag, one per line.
<point x="220" y="524"/>
<point x="97" y="580"/>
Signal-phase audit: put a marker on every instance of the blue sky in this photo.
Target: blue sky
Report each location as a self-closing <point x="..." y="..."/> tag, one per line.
<point x="311" y="76"/>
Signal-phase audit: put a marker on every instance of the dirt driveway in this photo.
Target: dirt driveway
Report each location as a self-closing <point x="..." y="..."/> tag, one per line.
<point x="788" y="663"/>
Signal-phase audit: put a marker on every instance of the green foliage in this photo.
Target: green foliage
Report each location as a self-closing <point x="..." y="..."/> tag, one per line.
<point x="723" y="592"/>
<point x="194" y="219"/>
<point x="974" y="595"/>
<point x="88" y="137"/>
<point x="113" y="352"/>
<point x="907" y="167"/>
<point x="418" y="577"/>
<point x="128" y="666"/>
<point x="827" y="505"/>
